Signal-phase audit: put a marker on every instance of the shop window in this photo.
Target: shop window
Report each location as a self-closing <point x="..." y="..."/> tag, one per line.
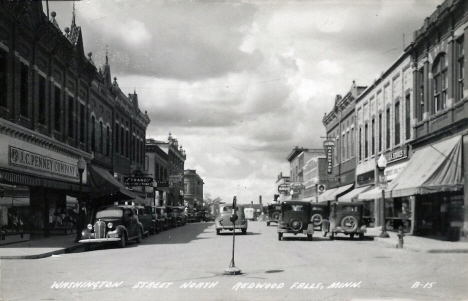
<point x="439" y="72"/>
<point x="3" y="78"/>
<point x="397" y="123"/>
<point x="71" y="116"/>
<point x="42" y="100"/>
<point x="408" y="116"/>
<point x="58" y="109"/>
<point x="24" y="90"/>
<point x="460" y="69"/>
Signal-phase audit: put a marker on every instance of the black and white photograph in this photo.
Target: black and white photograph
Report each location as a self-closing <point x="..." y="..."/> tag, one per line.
<point x="218" y="150"/>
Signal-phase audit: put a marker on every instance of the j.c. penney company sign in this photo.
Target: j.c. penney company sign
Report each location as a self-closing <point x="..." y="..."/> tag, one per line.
<point x="24" y="158"/>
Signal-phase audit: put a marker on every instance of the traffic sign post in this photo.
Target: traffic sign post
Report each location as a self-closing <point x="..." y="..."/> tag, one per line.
<point x="232" y="270"/>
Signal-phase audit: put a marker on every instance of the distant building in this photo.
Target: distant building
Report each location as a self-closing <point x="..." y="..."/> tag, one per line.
<point x="193" y="189"/>
<point x="298" y="158"/>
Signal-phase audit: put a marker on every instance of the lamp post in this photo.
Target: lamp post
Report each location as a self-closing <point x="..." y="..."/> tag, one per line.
<point x="382" y="164"/>
<point x="80" y="220"/>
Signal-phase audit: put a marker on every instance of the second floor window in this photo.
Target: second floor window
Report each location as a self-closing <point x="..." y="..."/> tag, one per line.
<point x="439" y="71"/>
<point x="388" y="128"/>
<point x="71" y="116"/>
<point x="108" y="141"/>
<point x="82" y="123"/>
<point x="380" y="132"/>
<point x="58" y="109"/>
<point x="397" y="123"/>
<point x="420" y="99"/>
<point x="360" y="144"/>
<point x="366" y="139"/>
<point x="93" y="133"/>
<point x="3" y="78"/>
<point x="373" y="137"/>
<point x="24" y="90"/>
<point x="42" y="100"/>
<point x="408" y="116"/>
<point x="117" y="138"/>
<point x="101" y="137"/>
<point x="460" y="69"/>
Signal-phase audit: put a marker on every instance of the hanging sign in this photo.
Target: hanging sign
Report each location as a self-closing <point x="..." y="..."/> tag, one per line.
<point x="329" y="146"/>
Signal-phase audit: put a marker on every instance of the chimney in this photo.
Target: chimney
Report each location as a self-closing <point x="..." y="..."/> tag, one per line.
<point x="260" y="200"/>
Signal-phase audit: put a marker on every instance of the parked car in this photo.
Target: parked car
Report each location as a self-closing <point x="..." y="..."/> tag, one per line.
<point x="191" y="215"/>
<point x="157" y="222"/>
<point x="146" y="219"/>
<point x="274" y="211"/>
<point x="173" y="216"/>
<point x="223" y="220"/>
<point x="345" y="218"/>
<point x="295" y="218"/>
<point x="164" y="217"/>
<point x="182" y="216"/>
<point x="113" y="224"/>
<point x="320" y="212"/>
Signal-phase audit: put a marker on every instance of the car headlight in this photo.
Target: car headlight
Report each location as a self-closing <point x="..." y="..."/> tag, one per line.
<point x="110" y="225"/>
<point x="90" y="227"/>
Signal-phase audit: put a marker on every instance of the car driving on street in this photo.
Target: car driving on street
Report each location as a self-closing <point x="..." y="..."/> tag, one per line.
<point x="223" y="220"/>
<point x="295" y="218"/>
<point x="274" y="211"/>
<point x="345" y="218"/>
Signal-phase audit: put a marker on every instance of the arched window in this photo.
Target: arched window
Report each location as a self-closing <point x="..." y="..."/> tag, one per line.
<point x="93" y="133"/>
<point x="440" y="83"/>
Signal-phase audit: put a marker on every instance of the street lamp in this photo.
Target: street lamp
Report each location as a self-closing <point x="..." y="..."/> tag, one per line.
<point x="382" y="164"/>
<point x="79" y="223"/>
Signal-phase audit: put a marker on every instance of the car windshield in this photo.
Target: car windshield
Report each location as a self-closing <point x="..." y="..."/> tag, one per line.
<point x="349" y="208"/>
<point x="111" y="212"/>
<point x="317" y="208"/>
<point x="289" y="207"/>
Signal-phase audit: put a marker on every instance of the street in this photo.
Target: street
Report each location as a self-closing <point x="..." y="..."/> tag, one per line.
<point x="187" y="263"/>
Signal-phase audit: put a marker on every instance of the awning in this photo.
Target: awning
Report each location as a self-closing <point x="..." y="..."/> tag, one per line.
<point x="371" y="194"/>
<point x="353" y="194"/>
<point x="323" y="197"/>
<point x="310" y="199"/>
<point x="338" y="192"/>
<point x="104" y="184"/>
<point x="434" y="168"/>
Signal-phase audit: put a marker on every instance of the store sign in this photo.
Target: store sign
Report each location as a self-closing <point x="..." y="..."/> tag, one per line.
<point x="283" y="188"/>
<point x="366" y="178"/>
<point x="161" y="183"/>
<point x="27" y="159"/>
<point x="329" y="145"/>
<point x="138" y="181"/>
<point x="397" y="155"/>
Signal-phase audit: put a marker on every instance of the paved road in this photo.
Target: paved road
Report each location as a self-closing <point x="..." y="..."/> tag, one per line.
<point x="187" y="263"/>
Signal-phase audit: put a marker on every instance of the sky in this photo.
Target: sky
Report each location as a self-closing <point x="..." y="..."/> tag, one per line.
<point x="241" y="83"/>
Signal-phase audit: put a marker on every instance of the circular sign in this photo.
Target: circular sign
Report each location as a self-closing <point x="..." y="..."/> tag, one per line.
<point x="321" y="187"/>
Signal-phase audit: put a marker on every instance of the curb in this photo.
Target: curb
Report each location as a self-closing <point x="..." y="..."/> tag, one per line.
<point x="418" y="249"/>
<point x="43" y="255"/>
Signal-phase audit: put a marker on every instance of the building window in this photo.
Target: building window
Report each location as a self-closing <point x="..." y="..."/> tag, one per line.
<point x="360" y="144"/>
<point x="133" y="149"/>
<point x="439" y="72"/>
<point x="122" y="141"/>
<point x="397" y="123"/>
<point x="373" y="137"/>
<point x="42" y="100"/>
<point x="388" y="128"/>
<point x="101" y="137"/>
<point x="117" y="138"/>
<point x="157" y="172"/>
<point x="348" y="153"/>
<point x="380" y="132"/>
<point x="58" y="109"/>
<point x="24" y="91"/>
<point x="3" y="78"/>
<point x="352" y="143"/>
<point x="108" y="141"/>
<point x="366" y="139"/>
<point x="408" y="116"/>
<point x="146" y="162"/>
<point x="421" y="94"/>
<point x="460" y="69"/>
<point x="137" y="150"/>
<point x="93" y="133"/>
<point x="71" y="118"/>
<point x="82" y="123"/>
<point x="343" y="148"/>
<point x="127" y="146"/>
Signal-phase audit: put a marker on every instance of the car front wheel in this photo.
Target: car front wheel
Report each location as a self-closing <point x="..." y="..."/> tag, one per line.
<point x="140" y="236"/>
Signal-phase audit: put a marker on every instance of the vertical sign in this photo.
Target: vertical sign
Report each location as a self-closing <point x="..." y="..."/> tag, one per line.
<point x="329" y="145"/>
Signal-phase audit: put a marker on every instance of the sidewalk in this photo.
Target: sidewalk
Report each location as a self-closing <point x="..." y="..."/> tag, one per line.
<point x="419" y="244"/>
<point x="40" y="247"/>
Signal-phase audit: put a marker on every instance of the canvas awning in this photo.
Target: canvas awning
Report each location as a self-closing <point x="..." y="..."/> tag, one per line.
<point x="353" y="194"/>
<point x="434" y="168"/>
<point x="323" y="197"/>
<point x="103" y="184"/>
<point x="339" y="191"/>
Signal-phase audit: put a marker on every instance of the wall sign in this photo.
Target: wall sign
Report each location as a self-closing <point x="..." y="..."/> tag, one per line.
<point x="27" y="159"/>
<point x="402" y="153"/>
<point x="366" y="178"/>
<point x="138" y="181"/>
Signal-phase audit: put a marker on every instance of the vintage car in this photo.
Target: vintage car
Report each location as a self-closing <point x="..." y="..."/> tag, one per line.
<point x="145" y="217"/>
<point x="157" y="223"/>
<point x="295" y="218"/>
<point x="164" y="218"/>
<point x="117" y="223"/>
<point x="274" y="211"/>
<point x="173" y="216"/>
<point x="345" y="218"/>
<point x="319" y="212"/>
<point x="191" y="215"/>
<point x="182" y="216"/>
<point x="223" y="220"/>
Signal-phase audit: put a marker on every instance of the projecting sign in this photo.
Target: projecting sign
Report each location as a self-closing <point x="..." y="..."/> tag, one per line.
<point x="283" y="188"/>
<point x="138" y="181"/>
<point x="329" y="145"/>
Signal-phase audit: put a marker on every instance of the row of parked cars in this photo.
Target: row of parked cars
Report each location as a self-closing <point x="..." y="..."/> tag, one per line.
<point x="122" y="223"/>
<point x="298" y="217"/>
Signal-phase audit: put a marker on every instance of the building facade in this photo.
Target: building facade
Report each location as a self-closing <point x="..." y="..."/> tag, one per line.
<point x="55" y="108"/>
<point x="297" y="161"/>
<point x="157" y="166"/>
<point x="193" y="189"/>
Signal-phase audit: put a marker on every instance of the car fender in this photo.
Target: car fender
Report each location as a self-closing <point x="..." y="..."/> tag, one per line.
<point x="310" y="228"/>
<point x="120" y="229"/>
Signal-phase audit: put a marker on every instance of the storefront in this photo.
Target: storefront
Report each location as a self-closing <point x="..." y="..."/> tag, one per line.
<point x="39" y="183"/>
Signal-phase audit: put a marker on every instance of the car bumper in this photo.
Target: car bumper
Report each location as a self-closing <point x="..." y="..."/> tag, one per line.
<point x="98" y="240"/>
<point x="309" y="230"/>
<point x="221" y="227"/>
